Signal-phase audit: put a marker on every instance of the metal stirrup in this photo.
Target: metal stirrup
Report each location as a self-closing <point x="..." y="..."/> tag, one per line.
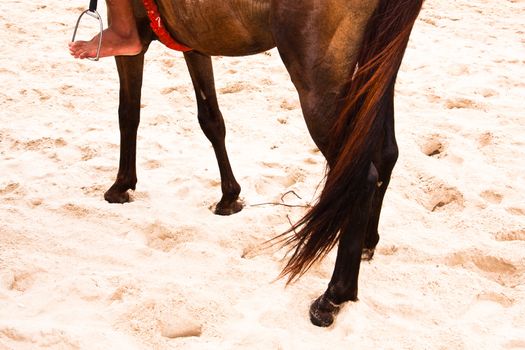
<point x="92" y="11"/>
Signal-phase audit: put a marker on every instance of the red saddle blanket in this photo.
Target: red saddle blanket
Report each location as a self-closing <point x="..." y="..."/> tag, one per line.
<point x="159" y="29"/>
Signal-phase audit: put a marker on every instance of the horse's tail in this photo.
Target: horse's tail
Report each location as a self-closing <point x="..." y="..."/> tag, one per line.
<point x="352" y="138"/>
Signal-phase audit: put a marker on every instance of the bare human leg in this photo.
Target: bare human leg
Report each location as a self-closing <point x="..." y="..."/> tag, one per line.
<point x="121" y="38"/>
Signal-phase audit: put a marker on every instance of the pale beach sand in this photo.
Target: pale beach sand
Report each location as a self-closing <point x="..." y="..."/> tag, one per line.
<point x="163" y="272"/>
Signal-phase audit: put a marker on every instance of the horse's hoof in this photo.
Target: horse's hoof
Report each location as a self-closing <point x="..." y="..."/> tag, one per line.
<point x="367" y="254"/>
<point x="322" y="312"/>
<point x="113" y="196"/>
<point x="228" y="209"/>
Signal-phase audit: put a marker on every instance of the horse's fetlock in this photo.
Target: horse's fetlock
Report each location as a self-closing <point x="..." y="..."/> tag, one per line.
<point x="235" y="189"/>
<point x="339" y="293"/>
<point x="123" y="184"/>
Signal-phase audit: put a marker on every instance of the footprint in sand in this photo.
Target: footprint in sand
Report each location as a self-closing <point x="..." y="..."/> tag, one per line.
<point x="88" y="153"/>
<point x="290" y="104"/>
<point x="170" y="318"/>
<point x="433" y="146"/>
<point x="235" y="88"/>
<point x="458" y="70"/>
<point x="8" y="71"/>
<point x="76" y="9"/>
<point x="293" y="175"/>
<point x="515" y="344"/>
<point x="310" y="160"/>
<point x="516" y="211"/>
<point x="460" y="102"/>
<point x="485" y="139"/>
<point x="9" y="188"/>
<point x="273" y="174"/>
<point x="37" y="338"/>
<point x="47" y="142"/>
<point x="282" y="120"/>
<point x="74" y="210"/>
<point x="428" y="20"/>
<point x="498" y="298"/>
<point x="159" y="120"/>
<point x="152" y="164"/>
<point x="124" y="290"/>
<point x="63" y="89"/>
<point x="77" y="211"/>
<point x="180" y="327"/>
<point x="41" y="95"/>
<point x="438" y="196"/>
<point x="167" y="64"/>
<point x="495" y="268"/>
<point x="518" y="235"/>
<point x="12" y="191"/>
<point x="169" y="90"/>
<point x="485" y="92"/>
<point x="164" y="238"/>
<point x="387" y="250"/>
<point x="491" y="196"/>
<point x="94" y="190"/>
<point x="21" y="280"/>
<point x="12" y="26"/>
<point x="39" y="144"/>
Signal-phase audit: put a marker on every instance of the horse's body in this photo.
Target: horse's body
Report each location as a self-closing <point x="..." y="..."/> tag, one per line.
<point x="343" y="57"/>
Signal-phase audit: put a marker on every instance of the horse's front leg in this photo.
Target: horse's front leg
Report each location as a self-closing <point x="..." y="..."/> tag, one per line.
<point x="343" y="284"/>
<point x="212" y="123"/>
<point x="130" y="69"/>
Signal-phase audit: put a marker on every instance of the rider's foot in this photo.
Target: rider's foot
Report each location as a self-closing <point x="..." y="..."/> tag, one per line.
<point x="113" y="44"/>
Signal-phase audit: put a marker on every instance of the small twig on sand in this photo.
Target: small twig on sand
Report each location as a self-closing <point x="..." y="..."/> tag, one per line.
<point x="284" y="204"/>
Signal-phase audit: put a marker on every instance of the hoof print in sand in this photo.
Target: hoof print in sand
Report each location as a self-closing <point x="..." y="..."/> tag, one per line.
<point x="518" y="235"/>
<point x="20" y="280"/>
<point x="516" y="211"/>
<point x="74" y="210"/>
<point x="491" y="196"/>
<point x="458" y="103"/>
<point x="180" y="328"/>
<point x="499" y="298"/>
<point x="235" y="88"/>
<point x="495" y="268"/>
<point x="434" y="146"/>
<point x="439" y="196"/>
<point x="485" y="139"/>
<point x="164" y="238"/>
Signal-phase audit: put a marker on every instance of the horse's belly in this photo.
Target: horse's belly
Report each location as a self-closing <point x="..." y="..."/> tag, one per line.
<point x="220" y="27"/>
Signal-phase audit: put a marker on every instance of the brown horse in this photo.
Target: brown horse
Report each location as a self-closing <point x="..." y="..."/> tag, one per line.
<point x="343" y="57"/>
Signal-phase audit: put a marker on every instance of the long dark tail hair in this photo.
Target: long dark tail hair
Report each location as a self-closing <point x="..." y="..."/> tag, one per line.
<point x="379" y="58"/>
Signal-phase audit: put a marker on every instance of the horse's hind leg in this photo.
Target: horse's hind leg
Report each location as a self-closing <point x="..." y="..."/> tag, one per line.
<point x="385" y="161"/>
<point x="130" y="69"/>
<point x="321" y="71"/>
<point x="212" y="123"/>
<point x="358" y="242"/>
<point x="344" y="282"/>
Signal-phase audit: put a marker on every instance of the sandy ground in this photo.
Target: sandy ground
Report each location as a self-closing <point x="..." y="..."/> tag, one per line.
<point x="163" y="272"/>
